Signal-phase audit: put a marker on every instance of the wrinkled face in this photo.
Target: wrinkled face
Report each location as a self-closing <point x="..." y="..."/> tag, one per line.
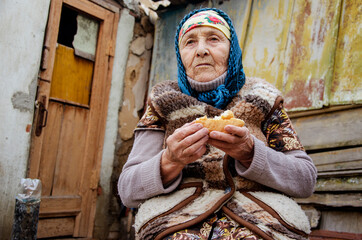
<point x="204" y="52"/>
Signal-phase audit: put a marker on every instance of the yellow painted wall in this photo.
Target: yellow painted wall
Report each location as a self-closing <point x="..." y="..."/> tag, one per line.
<point x="311" y="50"/>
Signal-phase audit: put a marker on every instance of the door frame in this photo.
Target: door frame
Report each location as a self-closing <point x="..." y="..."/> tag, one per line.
<point x="86" y="206"/>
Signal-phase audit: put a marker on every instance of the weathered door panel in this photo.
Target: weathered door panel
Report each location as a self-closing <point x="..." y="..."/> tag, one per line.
<point x="71" y="151"/>
<point x="310" y="54"/>
<point x="74" y="86"/>
<point x="266" y="40"/>
<point x="49" y="154"/>
<point x="347" y="85"/>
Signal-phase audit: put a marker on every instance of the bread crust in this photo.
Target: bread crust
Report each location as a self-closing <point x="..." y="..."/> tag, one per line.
<point x="219" y="123"/>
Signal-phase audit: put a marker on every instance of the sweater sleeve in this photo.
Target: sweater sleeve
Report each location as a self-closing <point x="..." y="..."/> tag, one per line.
<point x="283" y="164"/>
<point x="141" y="177"/>
<point x="291" y="172"/>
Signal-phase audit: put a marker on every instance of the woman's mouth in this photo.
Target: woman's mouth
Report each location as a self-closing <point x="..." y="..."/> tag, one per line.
<point x="203" y="65"/>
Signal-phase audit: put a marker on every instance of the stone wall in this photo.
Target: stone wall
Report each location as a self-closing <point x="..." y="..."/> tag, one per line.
<point x="132" y="107"/>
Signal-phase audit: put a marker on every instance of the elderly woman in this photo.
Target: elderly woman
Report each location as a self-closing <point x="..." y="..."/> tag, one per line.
<point x="189" y="183"/>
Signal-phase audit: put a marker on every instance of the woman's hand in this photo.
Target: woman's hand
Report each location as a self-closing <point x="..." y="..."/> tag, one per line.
<point x="237" y="143"/>
<point x="184" y="146"/>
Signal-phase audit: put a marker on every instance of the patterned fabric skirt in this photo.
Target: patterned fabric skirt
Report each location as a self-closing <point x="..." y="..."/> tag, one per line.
<point x="215" y="227"/>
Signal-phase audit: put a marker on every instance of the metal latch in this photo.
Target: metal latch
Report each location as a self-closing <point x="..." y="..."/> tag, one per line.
<point x="42" y="113"/>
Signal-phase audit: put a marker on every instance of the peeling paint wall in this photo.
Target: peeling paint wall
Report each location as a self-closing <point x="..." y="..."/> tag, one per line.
<point x="134" y="94"/>
<point x="21" y="39"/>
<point x="264" y="46"/>
<point x="107" y="207"/>
<point x="347" y="85"/>
<point x="310" y="54"/>
<point x="136" y="81"/>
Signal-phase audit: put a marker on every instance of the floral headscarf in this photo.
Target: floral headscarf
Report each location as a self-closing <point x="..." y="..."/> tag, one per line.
<point x="206" y="18"/>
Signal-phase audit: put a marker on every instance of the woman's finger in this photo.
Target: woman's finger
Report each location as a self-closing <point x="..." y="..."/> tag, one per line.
<point x="194" y="148"/>
<point x="235" y="130"/>
<point x="194" y="137"/>
<point x="220" y="144"/>
<point x="186" y="130"/>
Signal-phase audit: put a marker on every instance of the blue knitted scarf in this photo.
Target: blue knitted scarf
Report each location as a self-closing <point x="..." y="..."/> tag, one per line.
<point x="235" y="77"/>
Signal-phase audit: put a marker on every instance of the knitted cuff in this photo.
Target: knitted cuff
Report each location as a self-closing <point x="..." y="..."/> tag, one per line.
<point x="151" y="179"/>
<point x="257" y="165"/>
<point x="151" y="176"/>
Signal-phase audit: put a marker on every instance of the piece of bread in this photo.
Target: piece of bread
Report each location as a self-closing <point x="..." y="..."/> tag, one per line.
<point x="218" y="123"/>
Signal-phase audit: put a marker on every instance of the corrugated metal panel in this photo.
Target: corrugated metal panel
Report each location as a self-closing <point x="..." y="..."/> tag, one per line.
<point x="310" y="53"/>
<point x="347" y="84"/>
<point x="266" y="40"/>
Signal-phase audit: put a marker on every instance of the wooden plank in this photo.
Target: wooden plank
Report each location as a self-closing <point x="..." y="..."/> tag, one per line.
<point x="37" y="141"/>
<point x="51" y="39"/>
<point x="110" y="5"/>
<point x="60" y="206"/>
<point x="333" y="200"/>
<point x="44" y="82"/>
<point x="95" y="134"/>
<point x="55" y="227"/>
<point x="339" y="184"/>
<point x="266" y="40"/>
<point x="325" y="234"/>
<point x="331" y="130"/>
<point x="322" y="111"/>
<point x="346" y="221"/>
<point x="66" y="102"/>
<point x="245" y="22"/>
<point x="88" y="8"/>
<point x="338" y="156"/>
<point x="340" y="160"/>
<point x="310" y="54"/>
<point x="68" y="170"/>
<point x="340" y="173"/>
<point x="49" y="154"/>
<point x="347" y="84"/>
<point x="72" y="76"/>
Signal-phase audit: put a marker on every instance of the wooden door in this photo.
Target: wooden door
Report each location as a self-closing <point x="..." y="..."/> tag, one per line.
<point x="69" y="124"/>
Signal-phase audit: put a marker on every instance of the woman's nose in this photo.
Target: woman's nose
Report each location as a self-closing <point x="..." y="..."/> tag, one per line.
<point x="202" y="49"/>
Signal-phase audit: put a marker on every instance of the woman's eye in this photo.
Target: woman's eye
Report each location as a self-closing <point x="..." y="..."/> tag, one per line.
<point x="188" y="42"/>
<point x="214" y="39"/>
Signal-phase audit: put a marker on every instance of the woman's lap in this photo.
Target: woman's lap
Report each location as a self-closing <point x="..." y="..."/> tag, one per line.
<point x="220" y="227"/>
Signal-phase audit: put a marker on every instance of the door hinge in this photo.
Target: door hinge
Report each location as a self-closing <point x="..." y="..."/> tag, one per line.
<point x="94" y="180"/>
<point x="110" y="49"/>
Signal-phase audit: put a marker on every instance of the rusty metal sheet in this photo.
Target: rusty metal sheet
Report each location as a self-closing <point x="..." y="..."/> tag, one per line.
<point x="239" y="12"/>
<point x="164" y="65"/>
<point x="310" y="54"/>
<point x="347" y="85"/>
<point x="266" y="39"/>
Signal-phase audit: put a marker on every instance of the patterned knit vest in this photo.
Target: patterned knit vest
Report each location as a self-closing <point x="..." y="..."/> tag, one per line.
<point x="210" y="183"/>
